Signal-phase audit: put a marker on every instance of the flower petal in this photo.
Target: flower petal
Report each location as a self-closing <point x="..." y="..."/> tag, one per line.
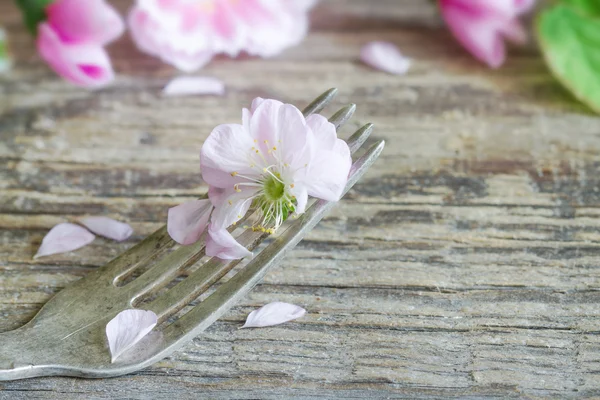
<point x="108" y="227"/>
<point x="128" y="328"/>
<point x="330" y="185"/>
<point x="187" y="221"/>
<point x="386" y="57"/>
<point x="232" y="207"/>
<point x="63" y="238"/>
<point x="192" y="85"/>
<point x="226" y="150"/>
<point x="93" y="21"/>
<point x="86" y="65"/>
<point x="301" y="194"/>
<point x="220" y="243"/>
<point x="273" y="314"/>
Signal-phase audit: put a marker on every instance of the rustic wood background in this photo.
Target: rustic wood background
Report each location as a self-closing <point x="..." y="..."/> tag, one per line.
<point x="466" y="264"/>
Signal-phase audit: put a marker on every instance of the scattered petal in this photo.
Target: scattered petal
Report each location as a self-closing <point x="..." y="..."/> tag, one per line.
<point x="194" y="85"/>
<point x="128" y="328"/>
<point x="273" y="314"/>
<point x="108" y="227"/>
<point x="187" y="221"/>
<point x="63" y="238"/>
<point x="386" y="57"/>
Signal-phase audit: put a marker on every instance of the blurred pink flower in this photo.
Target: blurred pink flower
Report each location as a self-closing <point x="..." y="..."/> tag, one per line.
<point x="73" y="37"/>
<point x="482" y="25"/>
<point x="188" y="34"/>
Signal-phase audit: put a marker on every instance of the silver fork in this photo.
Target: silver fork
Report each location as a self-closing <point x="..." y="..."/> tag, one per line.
<point x="67" y="336"/>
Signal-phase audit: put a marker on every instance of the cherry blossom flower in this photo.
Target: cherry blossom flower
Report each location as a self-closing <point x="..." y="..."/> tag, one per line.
<point x="73" y="37"/>
<point x="273" y="161"/>
<point x="482" y="25"/>
<point x="188" y="34"/>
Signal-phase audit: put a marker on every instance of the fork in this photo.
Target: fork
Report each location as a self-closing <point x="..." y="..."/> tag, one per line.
<point x="67" y="336"/>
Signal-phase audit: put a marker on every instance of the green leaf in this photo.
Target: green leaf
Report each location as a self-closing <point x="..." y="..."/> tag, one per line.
<point x="34" y="12"/>
<point x="570" y="42"/>
<point x="587" y="7"/>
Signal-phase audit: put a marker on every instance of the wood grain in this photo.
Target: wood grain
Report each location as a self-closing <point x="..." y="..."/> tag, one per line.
<point x="465" y="265"/>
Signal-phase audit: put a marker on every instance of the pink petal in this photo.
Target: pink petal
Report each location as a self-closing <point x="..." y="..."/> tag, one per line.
<point x="86" y="65"/>
<point x="220" y="243"/>
<point x="108" y="227"/>
<point x="273" y="314"/>
<point x="63" y="238"/>
<point x="92" y="21"/>
<point x="128" y="328"/>
<point x="186" y="222"/>
<point x="193" y="85"/>
<point x="300" y="192"/>
<point x="515" y="32"/>
<point x="330" y="185"/>
<point x="226" y="150"/>
<point x="480" y="36"/>
<point x="232" y="207"/>
<point x="386" y="57"/>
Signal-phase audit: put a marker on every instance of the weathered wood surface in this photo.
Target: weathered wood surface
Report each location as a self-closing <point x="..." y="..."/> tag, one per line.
<point x="465" y="265"/>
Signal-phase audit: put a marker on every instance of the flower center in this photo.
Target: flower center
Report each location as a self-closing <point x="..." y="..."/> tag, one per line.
<point x="273" y="189"/>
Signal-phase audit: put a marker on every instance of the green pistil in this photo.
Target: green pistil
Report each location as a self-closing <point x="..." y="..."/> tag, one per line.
<point x="276" y="205"/>
<point x="274" y="189"/>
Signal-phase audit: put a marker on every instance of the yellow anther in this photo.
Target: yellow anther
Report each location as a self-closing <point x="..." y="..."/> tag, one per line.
<point x="230" y="203"/>
<point x="256" y="151"/>
<point x="266" y="141"/>
<point x="234" y="173"/>
<point x="274" y="148"/>
<point x="292" y="185"/>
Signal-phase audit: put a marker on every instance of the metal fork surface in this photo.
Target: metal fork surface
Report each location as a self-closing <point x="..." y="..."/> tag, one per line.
<point x="67" y="335"/>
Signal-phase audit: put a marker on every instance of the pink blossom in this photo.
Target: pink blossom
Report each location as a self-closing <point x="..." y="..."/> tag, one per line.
<point x="273" y="161"/>
<point x="73" y="37"/>
<point x="482" y="25"/>
<point x="188" y="34"/>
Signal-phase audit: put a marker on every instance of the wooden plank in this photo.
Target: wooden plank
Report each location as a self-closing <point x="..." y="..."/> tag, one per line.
<point x="464" y="265"/>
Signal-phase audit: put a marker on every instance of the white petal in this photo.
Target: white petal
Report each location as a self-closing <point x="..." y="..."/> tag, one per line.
<point x="386" y="57"/>
<point x="63" y="238"/>
<point x="128" y="328"/>
<point x="220" y="243"/>
<point x="273" y="314"/>
<point x="187" y="221"/>
<point x="108" y="227"/>
<point x="192" y="85"/>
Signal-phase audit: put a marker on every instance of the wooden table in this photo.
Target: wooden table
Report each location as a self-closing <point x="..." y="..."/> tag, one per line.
<point x="466" y="264"/>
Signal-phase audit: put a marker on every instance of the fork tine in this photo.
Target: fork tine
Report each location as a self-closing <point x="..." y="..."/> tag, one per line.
<point x="320" y="102"/>
<point x="143" y="252"/>
<point x="359" y="137"/>
<point x="169" y="267"/>
<point x="230" y="292"/>
<point x="342" y="116"/>
<point x="200" y="280"/>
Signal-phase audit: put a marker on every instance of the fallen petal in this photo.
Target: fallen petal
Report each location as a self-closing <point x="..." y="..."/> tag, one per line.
<point x="386" y="57"/>
<point x="108" y="227"/>
<point x="128" y="328"/>
<point x="273" y="314"/>
<point x="193" y="85"/>
<point x="63" y="238"/>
